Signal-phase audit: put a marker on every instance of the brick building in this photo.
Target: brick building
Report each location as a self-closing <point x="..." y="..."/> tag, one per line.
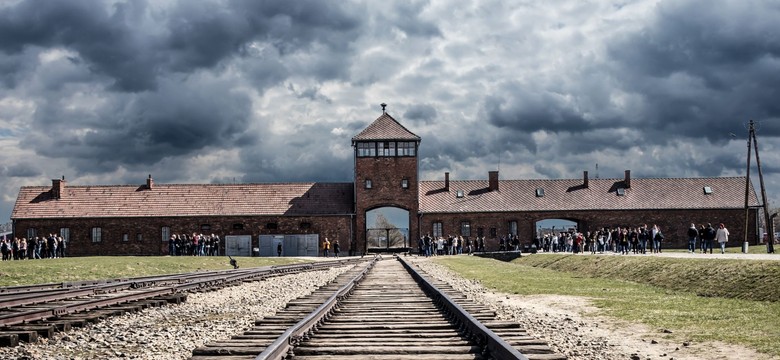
<point x="386" y="207"/>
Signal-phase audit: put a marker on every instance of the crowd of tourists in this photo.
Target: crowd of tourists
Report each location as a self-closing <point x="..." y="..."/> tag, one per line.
<point x="618" y="239"/>
<point x="193" y="245"/>
<point x="451" y="245"/>
<point x="50" y="247"/>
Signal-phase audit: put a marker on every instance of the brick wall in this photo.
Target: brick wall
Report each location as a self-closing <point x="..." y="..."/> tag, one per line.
<point x="673" y="223"/>
<point x="151" y="243"/>
<point x="386" y="174"/>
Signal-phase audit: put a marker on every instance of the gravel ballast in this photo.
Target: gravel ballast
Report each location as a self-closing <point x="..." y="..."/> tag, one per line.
<point x="173" y="331"/>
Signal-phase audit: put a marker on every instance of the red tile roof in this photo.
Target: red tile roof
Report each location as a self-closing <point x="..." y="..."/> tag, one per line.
<point x="385" y="128"/>
<point x="185" y="200"/>
<point x="570" y="194"/>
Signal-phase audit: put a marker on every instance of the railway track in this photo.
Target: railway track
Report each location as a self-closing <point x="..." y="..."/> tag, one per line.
<point x="30" y="312"/>
<point x="382" y="310"/>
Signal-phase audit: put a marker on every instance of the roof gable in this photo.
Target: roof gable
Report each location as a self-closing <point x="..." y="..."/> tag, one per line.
<point x="385" y="128"/>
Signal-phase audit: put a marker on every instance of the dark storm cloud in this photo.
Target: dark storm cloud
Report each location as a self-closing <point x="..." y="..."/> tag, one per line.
<point x="23" y="170"/>
<point x="195" y="35"/>
<point x="704" y="75"/>
<point x="420" y="113"/>
<point x="527" y="111"/>
<point x="176" y="120"/>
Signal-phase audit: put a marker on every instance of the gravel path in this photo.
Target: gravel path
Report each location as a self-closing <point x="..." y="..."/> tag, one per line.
<point x="173" y="331"/>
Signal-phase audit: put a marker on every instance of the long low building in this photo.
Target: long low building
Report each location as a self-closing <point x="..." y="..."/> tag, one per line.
<point x="385" y="208"/>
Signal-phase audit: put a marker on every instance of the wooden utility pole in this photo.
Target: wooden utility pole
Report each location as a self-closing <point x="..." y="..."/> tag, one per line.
<point x="768" y="228"/>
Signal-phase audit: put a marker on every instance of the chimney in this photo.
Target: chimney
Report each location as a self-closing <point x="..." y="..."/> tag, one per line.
<point x="58" y="187"/>
<point x="493" y="180"/>
<point x="627" y="180"/>
<point x="446" y="181"/>
<point x="149" y="182"/>
<point x="585" y="178"/>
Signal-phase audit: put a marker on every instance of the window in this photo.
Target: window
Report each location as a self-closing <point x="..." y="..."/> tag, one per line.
<point x="238" y="226"/>
<point x="621" y="191"/>
<point x="512" y="227"/>
<point x="365" y="149"/>
<point x="125" y="237"/>
<point x="205" y="228"/>
<point x="139" y="237"/>
<point x="539" y="192"/>
<point x="707" y="190"/>
<point x="97" y="234"/>
<point x="32" y="233"/>
<point x="480" y="231"/>
<point x="438" y="229"/>
<point x="405" y="183"/>
<point x="406" y="148"/>
<point x="386" y="148"/>
<point x="459" y="194"/>
<point x="165" y="233"/>
<point x="465" y="228"/>
<point x="271" y="226"/>
<point x="65" y="234"/>
<point x="369" y="184"/>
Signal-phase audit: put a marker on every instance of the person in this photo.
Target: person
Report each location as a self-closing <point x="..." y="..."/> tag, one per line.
<point x="326" y="247"/>
<point x="336" y="249"/>
<point x="279" y="249"/>
<point x="692" y="234"/>
<point x="702" y="234"/>
<point x="722" y="235"/>
<point x="709" y="236"/>
<point x="658" y="238"/>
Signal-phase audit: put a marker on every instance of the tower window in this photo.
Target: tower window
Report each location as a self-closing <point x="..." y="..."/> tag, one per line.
<point x="406" y="148"/>
<point x="365" y="149"/>
<point x="369" y="184"/>
<point x="405" y="183"/>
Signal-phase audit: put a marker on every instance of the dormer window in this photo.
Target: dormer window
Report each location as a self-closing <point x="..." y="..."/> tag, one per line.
<point x="459" y="194"/>
<point x="539" y="192"/>
<point x="621" y="192"/>
<point x="707" y="190"/>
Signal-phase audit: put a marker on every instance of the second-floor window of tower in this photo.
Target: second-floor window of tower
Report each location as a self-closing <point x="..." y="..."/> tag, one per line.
<point x="405" y="183"/>
<point x="366" y="149"/>
<point x="406" y="148"/>
<point x="386" y="148"/>
<point x="368" y="184"/>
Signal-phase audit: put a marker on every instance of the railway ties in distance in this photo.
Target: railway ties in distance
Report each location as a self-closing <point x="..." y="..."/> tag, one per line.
<point x="381" y="310"/>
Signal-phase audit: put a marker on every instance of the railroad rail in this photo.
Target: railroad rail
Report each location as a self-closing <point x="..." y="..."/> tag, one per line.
<point x="381" y="310"/>
<point x="27" y="312"/>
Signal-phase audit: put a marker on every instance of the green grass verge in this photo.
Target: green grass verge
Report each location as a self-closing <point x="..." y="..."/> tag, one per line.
<point x="654" y="299"/>
<point x="26" y="272"/>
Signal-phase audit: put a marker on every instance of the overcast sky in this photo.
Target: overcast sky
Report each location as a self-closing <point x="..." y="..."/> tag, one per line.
<point x="273" y="91"/>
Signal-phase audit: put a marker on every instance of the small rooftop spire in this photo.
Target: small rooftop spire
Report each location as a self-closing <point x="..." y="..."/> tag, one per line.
<point x="383" y="108"/>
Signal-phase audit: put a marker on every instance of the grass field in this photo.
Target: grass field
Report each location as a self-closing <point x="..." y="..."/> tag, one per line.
<point x="698" y="300"/>
<point x="27" y="272"/>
